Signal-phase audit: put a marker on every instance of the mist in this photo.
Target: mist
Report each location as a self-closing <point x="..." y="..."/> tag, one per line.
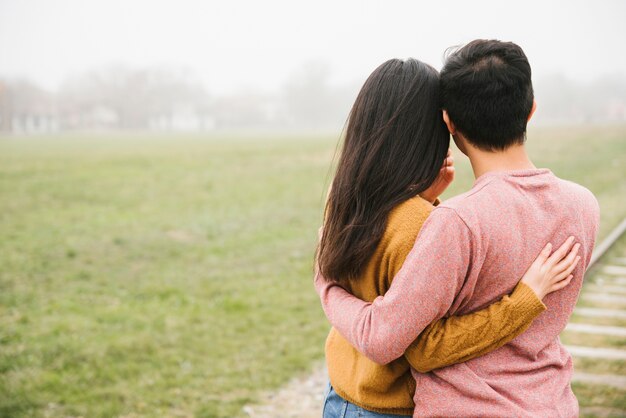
<point x="279" y="65"/>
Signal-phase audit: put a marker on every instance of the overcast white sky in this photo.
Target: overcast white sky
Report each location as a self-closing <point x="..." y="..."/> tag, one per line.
<point x="258" y="44"/>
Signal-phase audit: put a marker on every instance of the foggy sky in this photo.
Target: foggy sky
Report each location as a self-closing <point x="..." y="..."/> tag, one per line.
<point x="236" y="44"/>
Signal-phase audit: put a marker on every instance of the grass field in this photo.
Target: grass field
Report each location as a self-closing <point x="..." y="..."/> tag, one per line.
<point x="172" y="276"/>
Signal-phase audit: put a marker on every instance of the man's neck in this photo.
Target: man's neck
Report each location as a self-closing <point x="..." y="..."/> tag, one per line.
<point x="513" y="158"/>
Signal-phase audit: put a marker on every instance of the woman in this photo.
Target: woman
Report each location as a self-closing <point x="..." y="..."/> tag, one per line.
<point x="388" y="178"/>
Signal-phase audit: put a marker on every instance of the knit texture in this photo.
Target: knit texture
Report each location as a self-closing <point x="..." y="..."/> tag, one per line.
<point x="470" y="252"/>
<point x="389" y="388"/>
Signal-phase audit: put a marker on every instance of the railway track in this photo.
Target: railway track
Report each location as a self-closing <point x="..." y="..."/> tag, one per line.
<point x="608" y="242"/>
<point x="596" y="334"/>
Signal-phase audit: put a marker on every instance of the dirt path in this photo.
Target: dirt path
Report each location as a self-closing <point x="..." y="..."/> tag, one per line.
<point x="302" y="397"/>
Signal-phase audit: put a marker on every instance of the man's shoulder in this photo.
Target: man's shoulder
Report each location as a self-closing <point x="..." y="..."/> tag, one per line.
<point x="496" y="192"/>
<point x="580" y="199"/>
<point x="578" y="191"/>
<point x="460" y="203"/>
<point x="569" y="195"/>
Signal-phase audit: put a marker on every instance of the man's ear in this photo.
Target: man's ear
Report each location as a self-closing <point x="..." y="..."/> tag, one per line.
<point x="532" y="110"/>
<point x="448" y="122"/>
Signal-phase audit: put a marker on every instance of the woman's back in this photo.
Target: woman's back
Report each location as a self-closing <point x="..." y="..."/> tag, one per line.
<point x="381" y="388"/>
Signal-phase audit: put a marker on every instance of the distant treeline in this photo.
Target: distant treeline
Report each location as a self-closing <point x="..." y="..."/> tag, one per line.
<point x="563" y="101"/>
<point x="159" y="100"/>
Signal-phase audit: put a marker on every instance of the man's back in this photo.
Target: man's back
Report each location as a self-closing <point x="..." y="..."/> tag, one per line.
<point x="510" y="217"/>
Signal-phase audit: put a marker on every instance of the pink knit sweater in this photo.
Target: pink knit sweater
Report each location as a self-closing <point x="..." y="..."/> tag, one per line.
<point x="471" y="251"/>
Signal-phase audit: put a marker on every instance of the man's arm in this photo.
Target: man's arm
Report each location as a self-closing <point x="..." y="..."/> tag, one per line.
<point x="423" y="290"/>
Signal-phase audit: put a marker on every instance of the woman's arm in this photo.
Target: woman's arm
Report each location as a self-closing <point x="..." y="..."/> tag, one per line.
<point x="460" y="338"/>
<point x="457" y="339"/>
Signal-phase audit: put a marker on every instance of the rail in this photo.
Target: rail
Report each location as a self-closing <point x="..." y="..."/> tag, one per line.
<point x="607" y="243"/>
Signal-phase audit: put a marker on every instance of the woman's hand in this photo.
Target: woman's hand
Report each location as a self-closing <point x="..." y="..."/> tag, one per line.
<point x="443" y="180"/>
<point x="549" y="273"/>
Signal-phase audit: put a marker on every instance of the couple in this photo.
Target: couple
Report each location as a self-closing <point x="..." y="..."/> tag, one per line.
<point x="440" y="324"/>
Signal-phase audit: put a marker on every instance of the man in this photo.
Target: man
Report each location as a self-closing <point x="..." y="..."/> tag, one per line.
<point x="473" y="249"/>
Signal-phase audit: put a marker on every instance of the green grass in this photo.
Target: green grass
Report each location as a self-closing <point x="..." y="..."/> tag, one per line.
<point x="155" y="276"/>
<point x="595" y="304"/>
<point x="600" y="396"/>
<point x="600" y="366"/>
<point x="615" y="322"/>
<point x="172" y="276"/>
<point x="592" y="340"/>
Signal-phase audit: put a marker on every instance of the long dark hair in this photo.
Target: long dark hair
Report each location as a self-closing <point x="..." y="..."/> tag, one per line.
<point x="394" y="146"/>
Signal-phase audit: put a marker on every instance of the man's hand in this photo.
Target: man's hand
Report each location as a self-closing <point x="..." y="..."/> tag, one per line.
<point x="443" y="180"/>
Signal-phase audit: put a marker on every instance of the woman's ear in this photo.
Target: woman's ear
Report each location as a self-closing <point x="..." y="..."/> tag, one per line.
<point x="448" y="122"/>
<point x="532" y="110"/>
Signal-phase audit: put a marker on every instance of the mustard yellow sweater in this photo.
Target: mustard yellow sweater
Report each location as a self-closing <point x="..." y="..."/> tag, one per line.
<point x="390" y="388"/>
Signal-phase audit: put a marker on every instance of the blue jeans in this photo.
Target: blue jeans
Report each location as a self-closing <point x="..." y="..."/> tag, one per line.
<point x="337" y="407"/>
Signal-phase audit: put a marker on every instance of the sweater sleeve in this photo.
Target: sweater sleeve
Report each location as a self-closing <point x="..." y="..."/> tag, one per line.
<point x="460" y="338"/>
<point x="423" y="290"/>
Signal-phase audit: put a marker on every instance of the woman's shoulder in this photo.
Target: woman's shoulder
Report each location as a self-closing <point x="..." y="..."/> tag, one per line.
<point x="409" y="210"/>
<point x="403" y="226"/>
<point x="406" y="220"/>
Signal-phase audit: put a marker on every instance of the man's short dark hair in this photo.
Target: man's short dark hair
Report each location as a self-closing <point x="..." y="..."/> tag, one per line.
<point x="487" y="91"/>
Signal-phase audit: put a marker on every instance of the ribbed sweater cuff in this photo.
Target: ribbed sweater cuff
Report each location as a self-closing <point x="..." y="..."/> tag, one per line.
<point x="524" y="297"/>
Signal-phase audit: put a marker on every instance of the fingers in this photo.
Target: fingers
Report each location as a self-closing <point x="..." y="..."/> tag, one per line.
<point x="567" y="261"/>
<point x="561" y="252"/>
<point x="446" y="176"/>
<point x="560" y="285"/>
<point x="544" y="254"/>
<point x="448" y="161"/>
<point x="565" y="277"/>
<point x="541" y="258"/>
<point x="568" y="271"/>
